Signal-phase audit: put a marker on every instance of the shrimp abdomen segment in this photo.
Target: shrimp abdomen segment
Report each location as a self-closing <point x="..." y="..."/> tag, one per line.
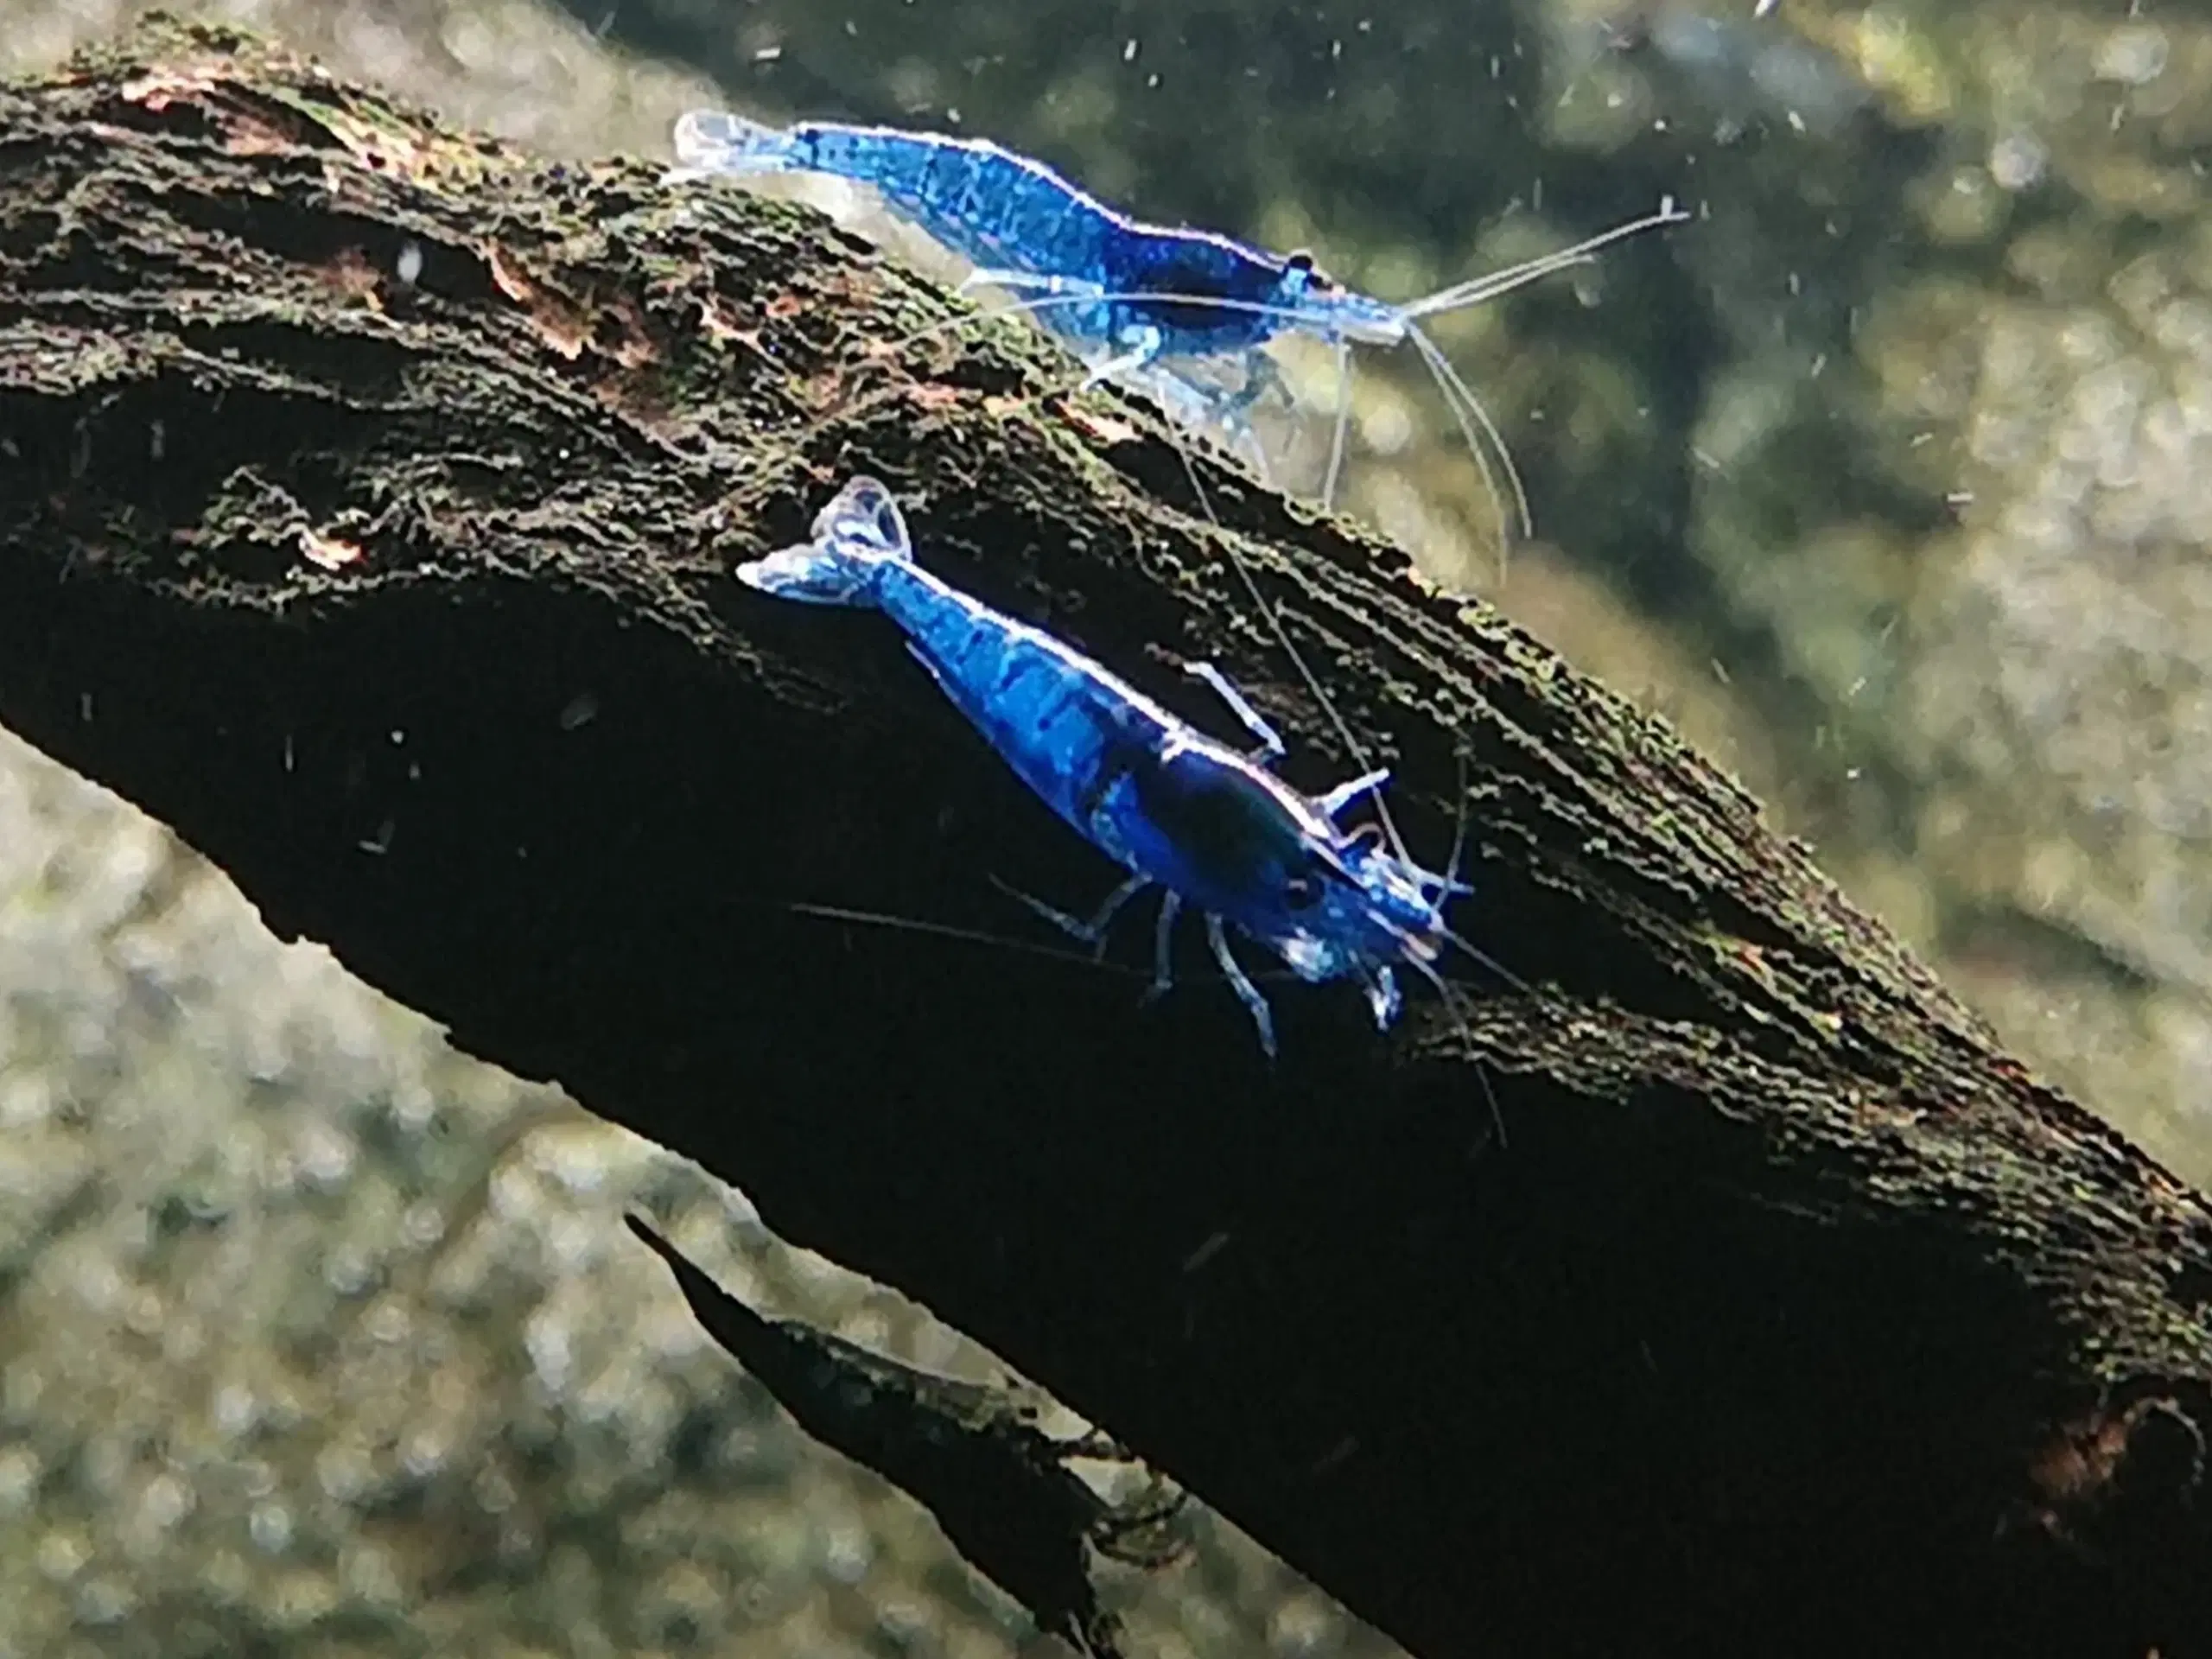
<point x="982" y="201"/>
<point x="986" y="203"/>
<point x="1072" y="731"/>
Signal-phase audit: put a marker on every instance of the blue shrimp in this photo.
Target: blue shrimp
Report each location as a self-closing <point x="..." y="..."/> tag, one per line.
<point x="1216" y="828"/>
<point x="1024" y="226"/>
<point x="1134" y="297"/>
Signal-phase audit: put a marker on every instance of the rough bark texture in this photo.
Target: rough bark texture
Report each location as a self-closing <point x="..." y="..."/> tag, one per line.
<point x="367" y="499"/>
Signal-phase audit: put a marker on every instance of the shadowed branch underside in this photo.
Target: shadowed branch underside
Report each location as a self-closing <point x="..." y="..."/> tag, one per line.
<point x="368" y="500"/>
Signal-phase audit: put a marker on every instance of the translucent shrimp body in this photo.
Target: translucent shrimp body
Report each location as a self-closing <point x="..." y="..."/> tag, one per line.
<point x="1132" y="296"/>
<point x="1115" y="279"/>
<point x="1216" y="828"/>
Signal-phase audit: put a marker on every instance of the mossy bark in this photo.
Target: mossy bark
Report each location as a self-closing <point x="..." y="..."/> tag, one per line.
<point x="368" y="497"/>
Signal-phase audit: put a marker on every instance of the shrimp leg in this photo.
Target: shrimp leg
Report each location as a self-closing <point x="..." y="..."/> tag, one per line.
<point x="1262" y="374"/>
<point x="1092" y="931"/>
<point x="1142" y="347"/>
<point x="1271" y="744"/>
<point x="1163" y="960"/>
<point x="1344" y="794"/>
<point x="1241" y="983"/>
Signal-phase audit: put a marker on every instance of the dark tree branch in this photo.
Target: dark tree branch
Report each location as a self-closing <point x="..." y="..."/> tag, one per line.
<point x="367" y="502"/>
<point x="976" y="1453"/>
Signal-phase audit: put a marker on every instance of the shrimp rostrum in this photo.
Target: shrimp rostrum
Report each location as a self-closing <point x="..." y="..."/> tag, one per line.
<point x="1213" y="827"/>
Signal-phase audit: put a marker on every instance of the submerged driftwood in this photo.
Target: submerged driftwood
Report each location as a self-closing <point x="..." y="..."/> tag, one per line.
<point x="368" y="497"/>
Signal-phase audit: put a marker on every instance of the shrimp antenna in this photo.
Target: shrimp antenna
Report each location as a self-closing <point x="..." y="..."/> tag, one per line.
<point x="1455" y="392"/>
<point x="1452" y="883"/>
<point x="1477" y="289"/>
<point x="948" y="930"/>
<point x="1476" y="426"/>
<point x="897" y="924"/>
<point x="1341" y="430"/>
<point x="1448" y="884"/>
<point x="1482" y="959"/>
<point x="1451" y="999"/>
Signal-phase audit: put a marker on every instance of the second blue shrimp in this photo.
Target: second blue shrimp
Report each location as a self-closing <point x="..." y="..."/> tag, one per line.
<point x="1115" y="281"/>
<point x="1133" y="297"/>
<point x="1215" y="828"/>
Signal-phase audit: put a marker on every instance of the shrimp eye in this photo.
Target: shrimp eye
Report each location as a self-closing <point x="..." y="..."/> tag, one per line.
<point x="1302" y="264"/>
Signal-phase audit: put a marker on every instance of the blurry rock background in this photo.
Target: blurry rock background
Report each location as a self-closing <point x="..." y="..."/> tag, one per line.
<point x="1888" y="479"/>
